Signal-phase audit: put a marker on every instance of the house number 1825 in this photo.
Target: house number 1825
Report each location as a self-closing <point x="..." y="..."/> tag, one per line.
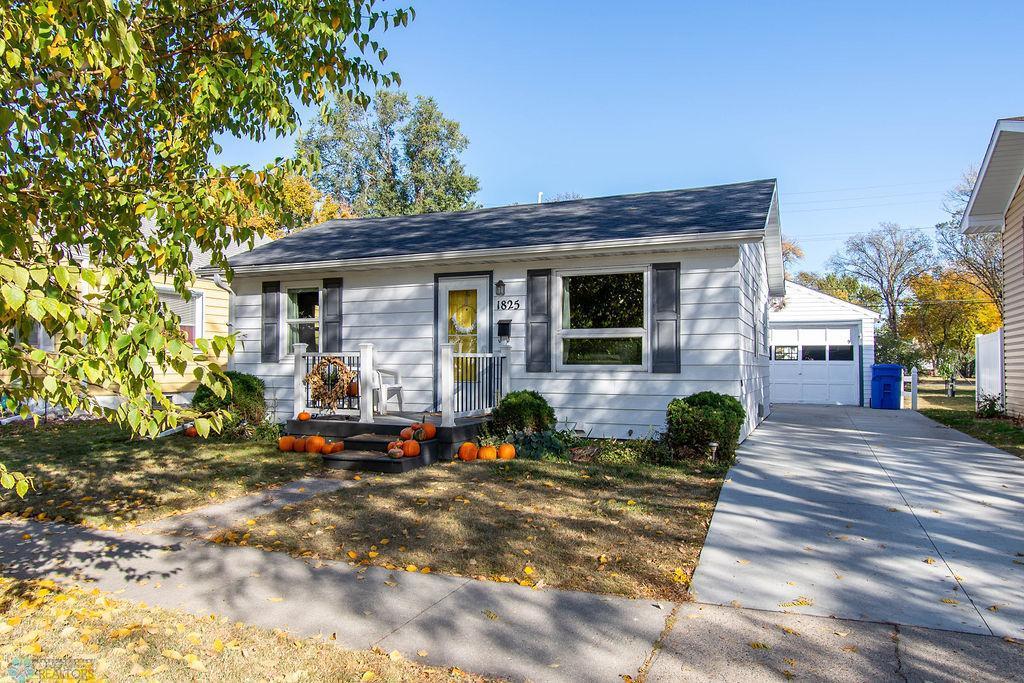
<point x="509" y="304"/>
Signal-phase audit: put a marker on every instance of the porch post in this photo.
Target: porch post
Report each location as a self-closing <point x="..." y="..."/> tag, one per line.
<point x="299" y="387"/>
<point x="505" y="350"/>
<point x="447" y="377"/>
<point x="366" y="382"/>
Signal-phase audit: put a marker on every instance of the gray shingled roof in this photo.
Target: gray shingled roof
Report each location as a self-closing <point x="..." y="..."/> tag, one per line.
<point x="702" y="210"/>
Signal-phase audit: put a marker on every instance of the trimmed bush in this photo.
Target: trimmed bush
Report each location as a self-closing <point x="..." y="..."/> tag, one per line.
<point x="522" y="411"/>
<point x="695" y="422"/>
<point x="244" y="400"/>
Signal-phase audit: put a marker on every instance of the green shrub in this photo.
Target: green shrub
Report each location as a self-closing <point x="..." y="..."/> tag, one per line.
<point x="990" y="406"/>
<point x="546" y="445"/>
<point x="630" y="453"/>
<point x="244" y="401"/>
<point x="521" y="411"/>
<point x="695" y="422"/>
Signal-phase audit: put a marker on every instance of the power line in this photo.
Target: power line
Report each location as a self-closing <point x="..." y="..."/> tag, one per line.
<point x="861" y="206"/>
<point x="875" y="187"/>
<point x="858" y="199"/>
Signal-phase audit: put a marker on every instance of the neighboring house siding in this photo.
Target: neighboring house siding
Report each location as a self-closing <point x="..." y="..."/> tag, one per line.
<point x="214" y="322"/>
<point x="394" y="309"/>
<point x="803" y="305"/>
<point x="753" y="357"/>
<point x="1013" y="304"/>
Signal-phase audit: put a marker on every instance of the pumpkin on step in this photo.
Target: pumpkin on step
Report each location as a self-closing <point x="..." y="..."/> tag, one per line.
<point x="315" y="444"/>
<point x="429" y="431"/>
<point x="488" y="453"/>
<point x="303" y="416"/>
<point x="286" y="443"/>
<point x="406" y="433"/>
<point x="506" y="451"/>
<point x="299" y="446"/>
<point x="411" y="448"/>
<point x="468" y="451"/>
<point x="396" y="453"/>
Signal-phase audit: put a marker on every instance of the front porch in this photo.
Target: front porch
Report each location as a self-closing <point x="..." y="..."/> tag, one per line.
<point x="469" y="386"/>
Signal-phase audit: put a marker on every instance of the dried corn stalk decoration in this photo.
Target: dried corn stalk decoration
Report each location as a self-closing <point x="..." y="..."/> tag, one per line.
<point x="328" y="382"/>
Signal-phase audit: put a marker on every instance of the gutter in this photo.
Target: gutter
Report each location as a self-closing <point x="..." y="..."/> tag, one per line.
<point x="665" y="243"/>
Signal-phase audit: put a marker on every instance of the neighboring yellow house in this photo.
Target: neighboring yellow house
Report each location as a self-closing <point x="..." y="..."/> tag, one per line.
<point x="206" y="314"/>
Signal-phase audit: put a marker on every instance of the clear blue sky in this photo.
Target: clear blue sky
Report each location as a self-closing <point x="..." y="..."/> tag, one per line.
<point x="865" y="112"/>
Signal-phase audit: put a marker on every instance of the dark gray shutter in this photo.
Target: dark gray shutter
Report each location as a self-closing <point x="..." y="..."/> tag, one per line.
<point x="270" y="337"/>
<point x="665" y="322"/>
<point x="330" y="335"/>
<point x="538" y="321"/>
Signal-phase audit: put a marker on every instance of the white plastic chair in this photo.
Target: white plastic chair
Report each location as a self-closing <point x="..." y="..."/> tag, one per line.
<point x="389" y="385"/>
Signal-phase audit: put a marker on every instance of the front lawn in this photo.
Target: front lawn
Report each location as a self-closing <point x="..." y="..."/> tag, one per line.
<point x="958" y="413"/>
<point x="95" y="473"/>
<point x="636" y="532"/>
<point x="69" y="633"/>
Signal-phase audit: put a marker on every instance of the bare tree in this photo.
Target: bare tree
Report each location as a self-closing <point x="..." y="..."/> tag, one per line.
<point x="978" y="256"/>
<point x="887" y="258"/>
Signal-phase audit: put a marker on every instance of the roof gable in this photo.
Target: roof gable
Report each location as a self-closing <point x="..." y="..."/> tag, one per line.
<point x="833" y="301"/>
<point x="998" y="179"/>
<point x="705" y="211"/>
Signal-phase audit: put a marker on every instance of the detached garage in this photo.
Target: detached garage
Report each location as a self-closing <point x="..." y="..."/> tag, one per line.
<point x="822" y="349"/>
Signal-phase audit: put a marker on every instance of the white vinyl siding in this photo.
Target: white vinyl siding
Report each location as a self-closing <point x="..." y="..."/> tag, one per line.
<point x="394" y="309"/>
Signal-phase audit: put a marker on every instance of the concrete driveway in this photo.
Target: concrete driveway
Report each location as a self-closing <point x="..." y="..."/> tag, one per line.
<point x="871" y="515"/>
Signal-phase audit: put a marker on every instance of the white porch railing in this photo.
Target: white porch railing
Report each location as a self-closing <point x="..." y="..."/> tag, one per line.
<point x="469" y="383"/>
<point x="472" y="383"/>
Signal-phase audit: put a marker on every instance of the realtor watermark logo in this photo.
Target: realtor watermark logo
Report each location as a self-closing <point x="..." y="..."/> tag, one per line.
<point x="51" y="669"/>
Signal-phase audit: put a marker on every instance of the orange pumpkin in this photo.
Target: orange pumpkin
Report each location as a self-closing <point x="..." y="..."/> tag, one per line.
<point x="406" y="433"/>
<point x="394" y="444"/>
<point x="488" y="453"/>
<point x="286" y="443"/>
<point x="395" y="453"/>
<point x="300" y="445"/>
<point x="303" y="416"/>
<point x="411" y="448"/>
<point x="506" y="451"/>
<point x="328" y="448"/>
<point x="315" y="444"/>
<point x="191" y="431"/>
<point x="339" y="446"/>
<point x="468" y="451"/>
<point x="429" y="430"/>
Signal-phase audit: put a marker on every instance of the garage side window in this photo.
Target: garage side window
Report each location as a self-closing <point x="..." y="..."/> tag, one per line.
<point x="784" y="353"/>
<point x="603" y="319"/>
<point x="840" y="344"/>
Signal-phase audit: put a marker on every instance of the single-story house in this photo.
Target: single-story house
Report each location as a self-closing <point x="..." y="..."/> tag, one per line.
<point x="997" y="206"/>
<point x="609" y="307"/>
<point x="822" y="348"/>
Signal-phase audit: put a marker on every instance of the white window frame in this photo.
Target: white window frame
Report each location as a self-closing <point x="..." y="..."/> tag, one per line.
<point x="561" y="334"/>
<point x="285" y="345"/>
<point x="198" y="298"/>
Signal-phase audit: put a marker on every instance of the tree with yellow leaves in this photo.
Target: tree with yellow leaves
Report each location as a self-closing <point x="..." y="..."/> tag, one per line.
<point x="945" y="314"/>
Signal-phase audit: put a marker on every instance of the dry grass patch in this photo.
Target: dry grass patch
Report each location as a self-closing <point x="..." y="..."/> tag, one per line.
<point x="95" y="473"/>
<point x="636" y="533"/>
<point x="69" y="630"/>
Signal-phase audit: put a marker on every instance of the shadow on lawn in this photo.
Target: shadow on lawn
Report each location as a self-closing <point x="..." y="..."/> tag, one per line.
<point x="92" y="471"/>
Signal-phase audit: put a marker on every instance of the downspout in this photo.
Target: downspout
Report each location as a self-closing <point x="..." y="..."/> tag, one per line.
<point x="218" y="280"/>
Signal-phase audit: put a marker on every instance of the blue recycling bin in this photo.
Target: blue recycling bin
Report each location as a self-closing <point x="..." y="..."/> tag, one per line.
<point x="886" y="386"/>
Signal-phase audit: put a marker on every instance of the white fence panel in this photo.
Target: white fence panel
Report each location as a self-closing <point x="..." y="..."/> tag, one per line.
<point x="988" y="358"/>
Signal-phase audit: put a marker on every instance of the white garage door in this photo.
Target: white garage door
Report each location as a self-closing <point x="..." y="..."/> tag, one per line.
<point x="812" y="364"/>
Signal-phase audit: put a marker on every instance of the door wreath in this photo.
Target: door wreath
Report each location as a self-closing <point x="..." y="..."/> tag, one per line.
<point x="328" y="382"/>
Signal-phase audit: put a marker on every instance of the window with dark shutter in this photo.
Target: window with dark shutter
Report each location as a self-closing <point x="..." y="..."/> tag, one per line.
<point x="332" y="298"/>
<point x="665" y="326"/>
<point x="538" y="321"/>
<point x="270" y="338"/>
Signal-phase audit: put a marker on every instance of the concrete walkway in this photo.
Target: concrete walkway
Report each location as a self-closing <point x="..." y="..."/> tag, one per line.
<point x="235" y="511"/>
<point x="492" y="628"/>
<point x="871" y="515"/>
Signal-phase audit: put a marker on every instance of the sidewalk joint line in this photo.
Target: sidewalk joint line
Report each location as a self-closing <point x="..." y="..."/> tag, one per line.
<point x="421" y="612"/>
<point x="919" y="522"/>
